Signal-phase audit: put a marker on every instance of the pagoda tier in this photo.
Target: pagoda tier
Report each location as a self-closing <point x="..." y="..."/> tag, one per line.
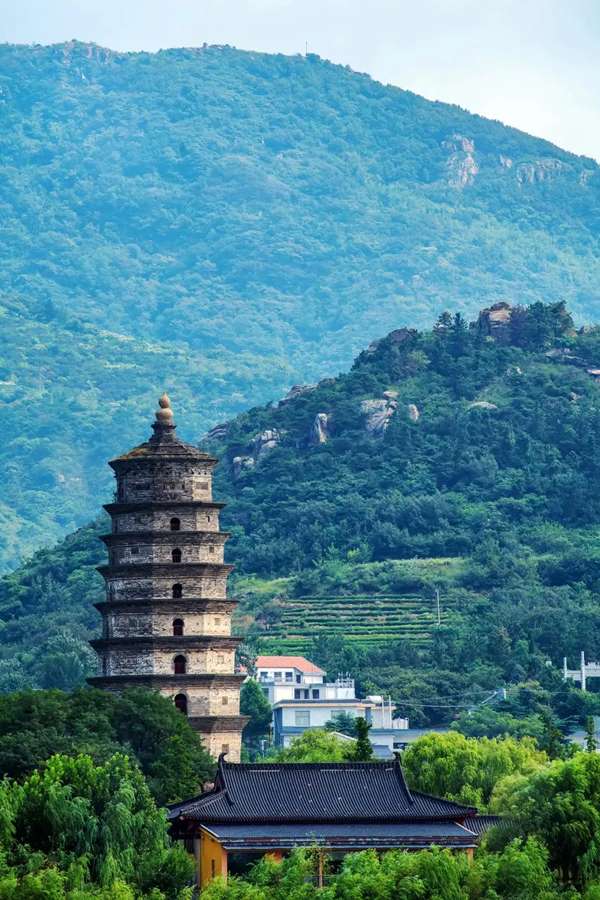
<point x="166" y="620"/>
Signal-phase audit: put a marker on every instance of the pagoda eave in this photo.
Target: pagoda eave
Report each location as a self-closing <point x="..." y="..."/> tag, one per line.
<point x="119" y="682"/>
<point x="188" y="604"/>
<point x="166" y="537"/>
<point x="148" y="505"/>
<point x="168" y="642"/>
<point x="210" y="724"/>
<point x="171" y="570"/>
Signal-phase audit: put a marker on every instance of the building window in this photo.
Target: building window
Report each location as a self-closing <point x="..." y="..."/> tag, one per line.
<point x="175" y="524"/>
<point x="178" y="627"/>
<point x="316" y="694"/>
<point x="217" y="620"/>
<point x="177" y="591"/>
<point x="224" y="701"/>
<point x="176" y="555"/>
<point x="208" y="518"/>
<point x="135" y="551"/>
<point x="297" y="694"/>
<point x="211" y="548"/>
<point x="213" y="863"/>
<point x="289" y="676"/>
<point x="277" y="676"/>
<point x="224" y="749"/>
<point x="181" y="703"/>
<point x="302" y="718"/>
<point x="179" y="665"/>
<point x="298" y="679"/>
<point x="203" y="485"/>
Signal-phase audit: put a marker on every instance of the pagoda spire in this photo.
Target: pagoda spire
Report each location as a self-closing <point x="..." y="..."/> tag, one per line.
<point x="164" y="424"/>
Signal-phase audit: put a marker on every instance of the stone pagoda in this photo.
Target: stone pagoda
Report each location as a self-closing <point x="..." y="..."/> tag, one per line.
<point x="166" y="620"/>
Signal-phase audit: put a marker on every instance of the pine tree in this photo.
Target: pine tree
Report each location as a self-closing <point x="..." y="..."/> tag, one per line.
<point x="363" y="750"/>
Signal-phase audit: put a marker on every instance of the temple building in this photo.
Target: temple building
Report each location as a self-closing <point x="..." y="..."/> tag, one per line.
<point x="166" y="619"/>
<point x="258" y="808"/>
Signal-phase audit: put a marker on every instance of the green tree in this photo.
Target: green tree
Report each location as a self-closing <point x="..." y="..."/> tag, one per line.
<point x="255" y="704"/>
<point x="559" y="805"/>
<point x="465" y="769"/>
<point x="316" y="745"/>
<point x="343" y="723"/>
<point x="591" y="744"/>
<point x="363" y="749"/>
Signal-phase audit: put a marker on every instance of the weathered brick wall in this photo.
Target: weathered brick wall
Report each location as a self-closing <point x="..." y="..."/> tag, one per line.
<point x="165" y="480"/>
<point x="191" y="519"/>
<point x="207" y="701"/>
<point x="155" y="623"/>
<point x="229" y="742"/>
<point x="144" y="661"/>
<point x="150" y="552"/>
<point x="209" y="587"/>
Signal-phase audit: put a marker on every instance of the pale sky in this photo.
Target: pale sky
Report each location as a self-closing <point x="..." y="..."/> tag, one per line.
<point x="534" y="64"/>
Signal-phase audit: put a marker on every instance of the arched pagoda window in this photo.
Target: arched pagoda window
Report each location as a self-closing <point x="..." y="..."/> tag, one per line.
<point x="181" y="703"/>
<point x="176" y="555"/>
<point x="178" y="627"/>
<point x="179" y="665"/>
<point x="177" y="591"/>
<point x="175" y="524"/>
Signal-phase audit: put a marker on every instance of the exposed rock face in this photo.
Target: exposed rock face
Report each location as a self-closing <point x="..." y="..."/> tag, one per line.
<point x="413" y="412"/>
<point x="461" y="166"/>
<point x="265" y="442"/>
<point x="506" y="162"/>
<point x="398" y="336"/>
<point x="241" y="465"/>
<point x="482" y="404"/>
<point x="296" y="391"/>
<point x="379" y="412"/>
<point x="217" y="433"/>
<point x="495" y="322"/>
<point x="540" y="170"/>
<point x="319" y="432"/>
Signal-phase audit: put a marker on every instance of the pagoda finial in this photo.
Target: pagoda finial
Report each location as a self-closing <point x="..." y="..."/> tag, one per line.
<point x="164" y="413"/>
<point x="163" y="426"/>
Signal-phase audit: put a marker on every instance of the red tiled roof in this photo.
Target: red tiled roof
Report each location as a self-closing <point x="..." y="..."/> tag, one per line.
<point x="288" y="662"/>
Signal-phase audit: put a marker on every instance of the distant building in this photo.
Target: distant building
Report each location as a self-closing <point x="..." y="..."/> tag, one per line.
<point x="166" y="619"/>
<point x="302" y="699"/>
<point x="272" y="808"/>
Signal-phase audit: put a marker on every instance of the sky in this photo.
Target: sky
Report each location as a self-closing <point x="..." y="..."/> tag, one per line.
<point x="534" y="64"/>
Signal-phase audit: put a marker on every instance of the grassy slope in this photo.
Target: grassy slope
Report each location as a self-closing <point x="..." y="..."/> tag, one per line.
<point x="224" y="223"/>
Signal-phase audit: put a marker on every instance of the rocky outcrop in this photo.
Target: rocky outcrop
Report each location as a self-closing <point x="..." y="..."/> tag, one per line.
<point x="264" y="442"/>
<point x="319" y="431"/>
<point x="494" y="322"/>
<point x="296" y="391"/>
<point x="461" y="167"/>
<point x="396" y="337"/>
<point x="241" y="464"/>
<point x="218" y="433"/>
<point x="482" y="404"/>
<point x="378" y="412"/>
<point x="413" y="412"/>
<point x="506" y="162"/>
<point x="261" y="446"/>
<point x="540" y="170"/>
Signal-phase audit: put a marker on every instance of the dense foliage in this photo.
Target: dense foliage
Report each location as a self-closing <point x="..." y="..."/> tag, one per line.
<point x="74" y="826"/>
<point x="224" y="223"/>
<point x="36" y="725"/>
<point x="490" y="496"/>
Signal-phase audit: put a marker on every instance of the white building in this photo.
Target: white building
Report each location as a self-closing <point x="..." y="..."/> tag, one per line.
<point x="302" y="699"/>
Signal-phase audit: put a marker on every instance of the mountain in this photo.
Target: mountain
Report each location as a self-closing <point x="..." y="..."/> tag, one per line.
<point x="463" y="459"/>
<point x="224" y="224"/>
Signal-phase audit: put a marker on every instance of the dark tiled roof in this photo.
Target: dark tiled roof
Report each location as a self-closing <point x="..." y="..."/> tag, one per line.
<point x="314" y="792"/>
<point x="409" y="835"/>
<point x="480" y="824"/>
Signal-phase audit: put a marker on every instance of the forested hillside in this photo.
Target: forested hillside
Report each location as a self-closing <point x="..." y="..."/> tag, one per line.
<point x="464" y="459"/>
<point x="224" y="224"/>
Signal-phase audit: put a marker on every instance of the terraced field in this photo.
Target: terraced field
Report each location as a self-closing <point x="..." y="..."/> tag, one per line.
<point x="366" y="619"/>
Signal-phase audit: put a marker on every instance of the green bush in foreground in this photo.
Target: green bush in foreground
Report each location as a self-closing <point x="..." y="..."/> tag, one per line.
<point x="72" y="828"/>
